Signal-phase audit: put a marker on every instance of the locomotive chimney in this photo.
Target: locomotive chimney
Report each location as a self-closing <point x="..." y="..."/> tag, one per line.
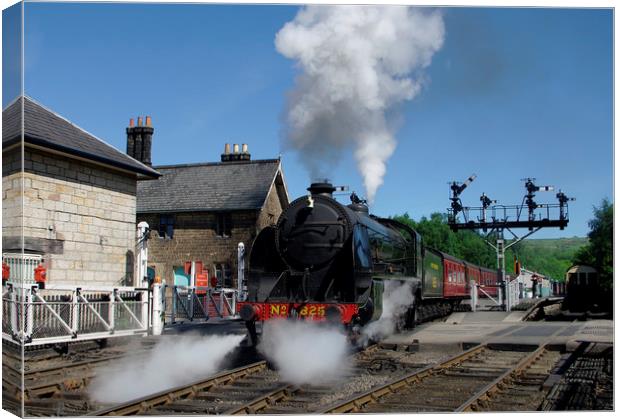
<point x="322" y="188"/>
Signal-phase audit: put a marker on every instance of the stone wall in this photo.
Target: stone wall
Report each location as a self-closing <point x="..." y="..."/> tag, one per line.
<point x="11" y="195"/>
<point x="272" y="209"/>
<point x="79" y="215"/>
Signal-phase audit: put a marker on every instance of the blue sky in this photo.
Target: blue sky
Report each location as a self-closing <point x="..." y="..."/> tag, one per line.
<point x="513" y="93"/>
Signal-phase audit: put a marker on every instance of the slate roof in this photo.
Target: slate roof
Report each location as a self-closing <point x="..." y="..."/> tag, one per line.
<point x="240" y="185"/>
<point x="45" y="128"/>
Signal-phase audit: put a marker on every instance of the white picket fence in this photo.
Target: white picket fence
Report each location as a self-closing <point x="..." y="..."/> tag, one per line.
<point x="61" y="313"/>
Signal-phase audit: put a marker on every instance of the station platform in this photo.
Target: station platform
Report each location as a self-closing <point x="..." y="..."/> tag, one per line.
<point x="507" y="328"/>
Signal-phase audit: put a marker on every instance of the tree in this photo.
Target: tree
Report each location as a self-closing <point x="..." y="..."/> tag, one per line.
<point x="598" y="253"/>
<point x="466" y="245"/>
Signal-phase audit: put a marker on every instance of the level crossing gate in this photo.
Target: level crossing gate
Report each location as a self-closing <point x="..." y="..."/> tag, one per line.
<point x="64" y="313"/>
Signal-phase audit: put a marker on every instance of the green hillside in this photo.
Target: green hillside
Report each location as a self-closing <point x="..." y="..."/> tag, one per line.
<point x="551" y="257"/>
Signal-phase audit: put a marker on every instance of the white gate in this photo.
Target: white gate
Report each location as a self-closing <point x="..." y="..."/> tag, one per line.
<point x="61" y="313"/>
<point x="196" y="304"/>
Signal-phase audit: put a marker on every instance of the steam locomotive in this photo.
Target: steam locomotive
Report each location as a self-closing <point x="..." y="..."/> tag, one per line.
<point x="325" y="261"/>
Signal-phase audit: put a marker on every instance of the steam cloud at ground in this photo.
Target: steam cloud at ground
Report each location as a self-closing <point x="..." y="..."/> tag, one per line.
<point x="396" y="300"/>
<point x="305" y="353"/>
<point x="171" y="363"/>
<point x="356" y="63"/>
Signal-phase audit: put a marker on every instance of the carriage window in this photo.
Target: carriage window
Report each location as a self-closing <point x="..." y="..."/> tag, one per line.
<point x="361" y="247"/>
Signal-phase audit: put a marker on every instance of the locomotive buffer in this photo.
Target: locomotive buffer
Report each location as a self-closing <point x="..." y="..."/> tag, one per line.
<point x="494" y="219"/>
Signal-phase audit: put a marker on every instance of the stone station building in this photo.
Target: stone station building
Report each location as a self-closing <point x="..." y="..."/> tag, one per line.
<point x="200" y="212"/>
<point x="78" y="213"/>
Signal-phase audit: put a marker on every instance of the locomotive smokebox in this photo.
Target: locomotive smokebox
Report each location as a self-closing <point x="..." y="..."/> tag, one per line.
<point x="322" y="188"/>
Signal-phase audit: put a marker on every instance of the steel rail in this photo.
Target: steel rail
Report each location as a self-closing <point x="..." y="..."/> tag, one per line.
<point x="140" y="405"/>
<point x="495" y="386"/>
<point x="357" y="402"/>
<point x="262" y="402"/>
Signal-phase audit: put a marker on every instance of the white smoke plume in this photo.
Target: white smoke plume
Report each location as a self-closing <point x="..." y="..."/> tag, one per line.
<point x="305" y="353"/>
<point x="357" y="63"/>
<point x="397" y="298"/>
<point x="173" y="362"/>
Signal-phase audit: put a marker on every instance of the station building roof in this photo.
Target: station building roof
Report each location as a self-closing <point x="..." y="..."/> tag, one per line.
<point x="46" y="129"/>
<point x="225" y="186"/>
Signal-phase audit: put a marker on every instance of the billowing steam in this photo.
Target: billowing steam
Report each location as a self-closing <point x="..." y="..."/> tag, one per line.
<point x="357" y="63"/>
<point x="305" y="353"/>
<point x="171" y="363"/>
<point x="397" y="298"/>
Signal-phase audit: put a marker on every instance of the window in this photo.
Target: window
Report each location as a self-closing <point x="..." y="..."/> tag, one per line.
<point x="223" y="275"/>
<point x="166" y="226"/>
<point x="361" y="247"/>
<point x="224" y="224"/>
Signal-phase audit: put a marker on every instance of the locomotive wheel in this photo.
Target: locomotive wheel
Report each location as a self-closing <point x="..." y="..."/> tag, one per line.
<point x="251" y="326"/>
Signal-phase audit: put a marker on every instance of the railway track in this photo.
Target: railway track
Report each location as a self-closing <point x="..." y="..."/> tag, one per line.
<point x="55" y="384"/>
<point x="49" y="381"/>
<point x="483" y="378"/>
<point x="256" y="389"/>
<point x="519" y="389"/>
<point x="466" y="375"/>
<point x="587" y="383"/>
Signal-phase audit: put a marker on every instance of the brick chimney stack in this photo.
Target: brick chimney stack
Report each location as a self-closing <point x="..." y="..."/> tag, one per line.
<point x="139" y="139"/>
<point x="236" y="155"/>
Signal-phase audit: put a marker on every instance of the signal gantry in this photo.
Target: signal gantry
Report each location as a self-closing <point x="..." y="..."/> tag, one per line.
<point x="498" y="218"/>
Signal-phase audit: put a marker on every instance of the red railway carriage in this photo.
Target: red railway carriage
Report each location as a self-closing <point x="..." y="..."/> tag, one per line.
<point x="472" y="273"/>
<point x="454" y="281"/>
<point x="488" y="279"/>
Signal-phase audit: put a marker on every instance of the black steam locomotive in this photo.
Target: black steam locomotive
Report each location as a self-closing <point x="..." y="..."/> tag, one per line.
<point x="325" y="261"/>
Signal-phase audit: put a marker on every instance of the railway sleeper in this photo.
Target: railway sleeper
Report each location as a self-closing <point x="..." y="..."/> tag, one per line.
<point x="473" y="374"/>
<point x="401" y="407"/>
<point x="232" y="396"/>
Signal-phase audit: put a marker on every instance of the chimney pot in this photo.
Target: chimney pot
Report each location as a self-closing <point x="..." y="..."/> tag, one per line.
<point x="226" y="148"/>
<point x="139" y="140"/>
<point x="244" y="148"/>
<point x="236" y="148"/>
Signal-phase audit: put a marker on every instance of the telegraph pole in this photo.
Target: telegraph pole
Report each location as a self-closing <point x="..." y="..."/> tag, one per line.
<point x="504" y="217"/>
